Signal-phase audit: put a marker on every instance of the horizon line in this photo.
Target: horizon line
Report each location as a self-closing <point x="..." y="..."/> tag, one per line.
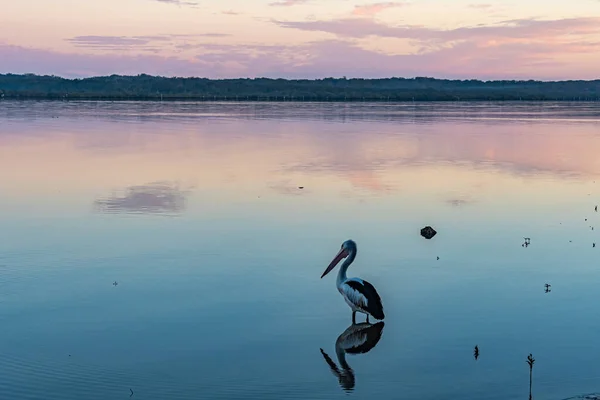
<point x="299" y="79"/>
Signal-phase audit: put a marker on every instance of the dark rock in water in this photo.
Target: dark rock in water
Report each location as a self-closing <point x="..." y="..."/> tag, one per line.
<point x="428" y="232"/>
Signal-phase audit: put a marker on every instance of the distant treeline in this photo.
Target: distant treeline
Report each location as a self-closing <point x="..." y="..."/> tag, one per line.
<point x="146" y="87"/>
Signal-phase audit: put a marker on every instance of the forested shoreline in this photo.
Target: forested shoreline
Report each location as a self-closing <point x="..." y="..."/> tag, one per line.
<point x="146" y="87"/>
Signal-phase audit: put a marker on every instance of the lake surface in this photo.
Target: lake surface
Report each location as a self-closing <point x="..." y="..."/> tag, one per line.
<point x="166" y="249"/>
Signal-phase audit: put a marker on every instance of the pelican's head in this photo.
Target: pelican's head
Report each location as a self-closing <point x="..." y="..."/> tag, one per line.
<point x="348" y="247"/>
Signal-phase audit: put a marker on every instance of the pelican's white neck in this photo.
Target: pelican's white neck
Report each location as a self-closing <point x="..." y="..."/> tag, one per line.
<point x="341" y="277"/>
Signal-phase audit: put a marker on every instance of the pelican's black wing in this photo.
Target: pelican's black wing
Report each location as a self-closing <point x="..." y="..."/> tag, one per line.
<point x="373" y="302"/>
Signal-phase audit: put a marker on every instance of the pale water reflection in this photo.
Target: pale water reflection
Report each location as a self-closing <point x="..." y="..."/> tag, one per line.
<point x="153" y="198"/>
<point x="224" y="300"/>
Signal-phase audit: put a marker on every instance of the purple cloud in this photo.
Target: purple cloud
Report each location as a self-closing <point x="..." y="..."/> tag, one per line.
<point x="518" y="49"/>
<point x="114" y="41"/>
<point x="139" y="43"/>
<point x="18" y="59"/>
<point x="522" y="28"/>
<point x="464" y="60"/>
<point x="199" y="35"/>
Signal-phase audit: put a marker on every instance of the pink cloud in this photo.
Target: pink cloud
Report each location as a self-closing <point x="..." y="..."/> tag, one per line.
<point x="376" y="8"/>
<point x="288" y="3"/>
<point x="521" y="49"/>
<point x="480" y="6"/>
<point x="178" y="2"/>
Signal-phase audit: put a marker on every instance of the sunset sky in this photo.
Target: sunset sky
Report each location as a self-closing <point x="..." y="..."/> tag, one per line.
<point x="537" y="39"/>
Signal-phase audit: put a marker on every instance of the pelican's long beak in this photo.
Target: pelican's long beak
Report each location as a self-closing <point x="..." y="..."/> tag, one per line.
<point x="338" y="257"/>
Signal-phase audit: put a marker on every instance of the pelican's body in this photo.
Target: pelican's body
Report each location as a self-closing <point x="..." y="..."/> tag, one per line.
<point x="359" y="294"/>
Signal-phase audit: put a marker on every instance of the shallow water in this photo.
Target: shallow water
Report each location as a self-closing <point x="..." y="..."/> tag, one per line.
<point x="166" y="249"/>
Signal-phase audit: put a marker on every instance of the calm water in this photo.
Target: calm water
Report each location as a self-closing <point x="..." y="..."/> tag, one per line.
<point x="195" y="212"/>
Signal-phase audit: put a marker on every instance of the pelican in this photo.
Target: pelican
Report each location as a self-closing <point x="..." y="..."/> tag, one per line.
<point x="360" y="295"/>
<point x="356" y="339"/>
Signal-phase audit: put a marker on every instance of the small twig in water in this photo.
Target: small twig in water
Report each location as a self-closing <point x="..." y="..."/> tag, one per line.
<point x="530" y="361"/>
<point x="131" y="392"/>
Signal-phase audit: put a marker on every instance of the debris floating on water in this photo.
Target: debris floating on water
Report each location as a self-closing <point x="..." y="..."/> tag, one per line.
<point x="530" y="361"/>
<point x="428" y="232"/>
<point x="547" y="287"/>
<point x="476" y="352"/>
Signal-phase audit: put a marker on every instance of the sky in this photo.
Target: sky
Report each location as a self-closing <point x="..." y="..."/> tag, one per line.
<point x="459" y="39"/>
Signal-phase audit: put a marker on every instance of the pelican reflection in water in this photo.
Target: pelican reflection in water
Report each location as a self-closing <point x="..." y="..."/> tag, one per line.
<point x="356" y="339"/>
